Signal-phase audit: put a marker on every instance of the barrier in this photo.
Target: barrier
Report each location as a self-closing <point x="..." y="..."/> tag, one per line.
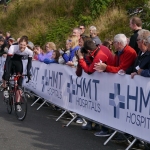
<point x="116" y="101"/>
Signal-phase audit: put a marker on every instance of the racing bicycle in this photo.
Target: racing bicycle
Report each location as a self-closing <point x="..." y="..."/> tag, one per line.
<point x="13" y="92"/>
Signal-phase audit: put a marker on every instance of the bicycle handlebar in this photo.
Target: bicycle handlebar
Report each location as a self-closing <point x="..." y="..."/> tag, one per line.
<point x="22" y="75"/>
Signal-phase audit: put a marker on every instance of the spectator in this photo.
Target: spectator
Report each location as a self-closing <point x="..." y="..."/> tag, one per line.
<point x="81" y="44"/>
<point x="108" y="44"/>
<point x="93" y="35"/>
<point x="142" y="62"/>
<point x="30" y="45"/>
<point x="83" y="39"/>
<point x="8" y="35"/>
<point x="1" y="34"/>
<point x="124" y="56"/>
<point x="74" y="46"/>
<point x="49" y="47"/>
<point x="5" y="6"/>
<point x="3" y="47"/>
<point x="135" y="25"/>
<point x="36" y="48"/>
<point x="11" y="41"/>
<point x="76" y="32"/>
<point x="82" y="28"/>
<point x="67" y="51"/>
<point x="95" y="54"/>
<point x="54" y="58"/>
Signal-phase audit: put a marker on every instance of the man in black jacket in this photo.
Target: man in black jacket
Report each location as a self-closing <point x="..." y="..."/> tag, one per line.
<point x="135" y="25"/>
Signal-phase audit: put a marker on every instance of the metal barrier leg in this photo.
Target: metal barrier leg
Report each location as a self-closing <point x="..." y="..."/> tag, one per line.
<point x="110" y="137"/>
<point x="47" y="104"/>
<point x="131" y="144"/>
<point x="35" y="101"/>
<point x="72" y="113"/>
<point x="61" y="115"/>
<point x="71" y="120"/>
<point x="41" y="105"/>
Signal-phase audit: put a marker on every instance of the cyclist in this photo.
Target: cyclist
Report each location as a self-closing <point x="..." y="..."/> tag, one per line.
<point x="14" y="64"/>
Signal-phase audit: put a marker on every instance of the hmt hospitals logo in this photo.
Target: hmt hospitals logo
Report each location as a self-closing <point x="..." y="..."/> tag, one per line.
<point x="71" y="89"/>
<point x="116" y="100"/>
<point x="45" y="80"/>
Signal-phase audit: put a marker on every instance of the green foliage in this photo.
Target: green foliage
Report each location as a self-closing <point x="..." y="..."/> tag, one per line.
<point x="64" y="15"/>
<point x="119" y="26"/>
<point x="98" y="6"/>
<point x="59" y="30"/>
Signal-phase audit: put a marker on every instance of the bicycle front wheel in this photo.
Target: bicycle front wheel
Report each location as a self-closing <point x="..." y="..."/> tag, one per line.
<point x="9" y="103"/>
<point x="21" y="106"/>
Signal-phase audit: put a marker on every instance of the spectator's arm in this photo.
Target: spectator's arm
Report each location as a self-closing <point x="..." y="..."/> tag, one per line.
<point x="127" y="61"/>
<point x="65" y="57"/>
<point x="88" y="68"/>
<point x="48" y="61"/>
<point x="29" y="65"/>
<point x="145" y="73"/>
<point x="41" y="57"/>
<point x="6" y="67"/>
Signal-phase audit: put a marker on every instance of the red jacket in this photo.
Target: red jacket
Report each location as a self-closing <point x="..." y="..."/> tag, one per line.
<point x="124" y="61"/>
<point x="100" y="53"/>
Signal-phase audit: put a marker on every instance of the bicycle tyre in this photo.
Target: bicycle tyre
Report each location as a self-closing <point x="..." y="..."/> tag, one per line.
<point x="21" y="114"/>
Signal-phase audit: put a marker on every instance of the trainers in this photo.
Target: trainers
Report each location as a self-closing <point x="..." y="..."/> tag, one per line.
<point x="18" y="108"/>
<point x="79" y="120"/>
<point x="87" y="126"/>
<point x="102" y="134"/>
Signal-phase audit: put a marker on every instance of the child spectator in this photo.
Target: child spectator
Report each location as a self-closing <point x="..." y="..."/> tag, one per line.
<point x="36" y="48"/>
<point x="54" y="58"/>
<point x="49" y="47"/>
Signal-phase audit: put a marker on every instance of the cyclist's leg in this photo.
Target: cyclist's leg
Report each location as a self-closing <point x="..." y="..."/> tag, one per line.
<point x="19" y="70"/>
<point x="6" y="74"/>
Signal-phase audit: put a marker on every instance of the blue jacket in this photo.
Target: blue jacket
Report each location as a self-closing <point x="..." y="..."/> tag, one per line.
<point x="71" y="55"/>
<point x="48" y="61"/>
<point x="145" y="73"/>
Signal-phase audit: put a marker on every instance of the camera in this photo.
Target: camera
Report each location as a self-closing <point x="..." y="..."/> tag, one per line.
<point x="83" y="50"/>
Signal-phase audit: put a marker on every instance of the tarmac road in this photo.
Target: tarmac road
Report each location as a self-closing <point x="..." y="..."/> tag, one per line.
<point x="40" y="131"/>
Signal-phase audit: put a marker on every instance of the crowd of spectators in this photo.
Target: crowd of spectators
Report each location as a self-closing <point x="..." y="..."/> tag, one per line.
<point x="120" y="55"/>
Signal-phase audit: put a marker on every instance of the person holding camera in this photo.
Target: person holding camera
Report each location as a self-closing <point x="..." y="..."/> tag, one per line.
<point x="94" y="55"/>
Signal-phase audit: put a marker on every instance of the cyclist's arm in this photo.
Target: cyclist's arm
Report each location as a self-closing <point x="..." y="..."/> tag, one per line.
<point x="9" y="55"/>
<point x="29" y="65"/>
<point x="6" y="67"/>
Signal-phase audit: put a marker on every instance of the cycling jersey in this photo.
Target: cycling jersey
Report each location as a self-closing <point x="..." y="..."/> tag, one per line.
<point x="14" y="64"/>
<point x="14" y="49"/>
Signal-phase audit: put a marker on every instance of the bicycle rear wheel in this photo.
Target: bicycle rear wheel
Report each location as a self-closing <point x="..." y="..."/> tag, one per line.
<point x="21" y="107"/>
